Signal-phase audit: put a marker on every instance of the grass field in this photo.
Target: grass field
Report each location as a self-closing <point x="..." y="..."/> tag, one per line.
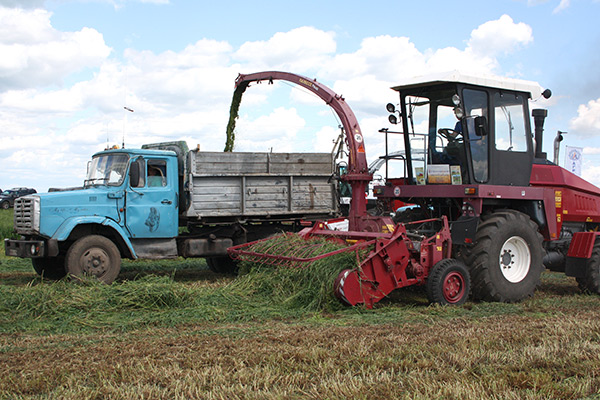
<point x="174" y="330"/>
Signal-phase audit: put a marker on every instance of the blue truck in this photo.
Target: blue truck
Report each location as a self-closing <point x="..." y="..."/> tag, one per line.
<point x="164" y="201"/>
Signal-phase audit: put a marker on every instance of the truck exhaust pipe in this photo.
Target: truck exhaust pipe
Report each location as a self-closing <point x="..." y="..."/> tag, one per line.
<point x="539" y="115"/>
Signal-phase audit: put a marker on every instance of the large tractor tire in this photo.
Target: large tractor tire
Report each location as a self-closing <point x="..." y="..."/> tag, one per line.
<point x="590" y="283"/>
<point x="94" y="256"/>
<point x="506" y="260"/>
<point x="448" y="283"/>
<point x="50" y="268"/>
<point x="222" y="265"/>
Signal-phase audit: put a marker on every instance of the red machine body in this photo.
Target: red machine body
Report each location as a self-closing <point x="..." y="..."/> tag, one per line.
<point x="396" y="259"/>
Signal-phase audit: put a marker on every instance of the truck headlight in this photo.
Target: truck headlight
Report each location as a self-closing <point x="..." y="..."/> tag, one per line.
<point x="35" y="213"/>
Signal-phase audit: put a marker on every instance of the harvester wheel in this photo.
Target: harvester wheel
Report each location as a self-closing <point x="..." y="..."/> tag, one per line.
<point x="448" y="283"/>
<point x="591" y="282"/>
<point x="506" y="261"/>
<point x="50" y="268"/>
<point x="222" y="265"/>
<point x="96" y="256"/>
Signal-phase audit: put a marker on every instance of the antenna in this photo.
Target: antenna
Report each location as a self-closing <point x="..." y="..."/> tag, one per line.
<point x="124" y="122"/>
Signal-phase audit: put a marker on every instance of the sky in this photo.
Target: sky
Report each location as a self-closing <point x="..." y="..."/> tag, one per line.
<point x="69" y="67"/>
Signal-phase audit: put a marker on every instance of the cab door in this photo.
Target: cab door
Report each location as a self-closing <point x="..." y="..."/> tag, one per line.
<point x="512" y="150"/>
<point x="151" y="207"/>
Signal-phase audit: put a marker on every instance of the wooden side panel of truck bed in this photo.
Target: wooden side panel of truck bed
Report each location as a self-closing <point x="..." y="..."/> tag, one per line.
<point x="261" y="185"/>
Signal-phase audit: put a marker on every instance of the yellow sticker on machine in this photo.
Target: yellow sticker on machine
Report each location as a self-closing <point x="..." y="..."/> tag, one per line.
<point x="558" y="198"/>
<point x="387" y="228"/>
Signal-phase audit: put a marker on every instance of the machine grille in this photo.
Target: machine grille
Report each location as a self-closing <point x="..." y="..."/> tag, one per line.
<point x="23" y="214"/>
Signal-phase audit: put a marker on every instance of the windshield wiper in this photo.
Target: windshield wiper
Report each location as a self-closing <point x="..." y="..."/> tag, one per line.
<point x="92" y="181"/>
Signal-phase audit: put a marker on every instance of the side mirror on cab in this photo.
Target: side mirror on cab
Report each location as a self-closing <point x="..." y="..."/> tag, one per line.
<point x="481" y="126"/>
<point x="136" y="173"/>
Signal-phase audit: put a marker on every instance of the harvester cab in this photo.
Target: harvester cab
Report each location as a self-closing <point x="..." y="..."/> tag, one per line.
<point x="472" y="130"/>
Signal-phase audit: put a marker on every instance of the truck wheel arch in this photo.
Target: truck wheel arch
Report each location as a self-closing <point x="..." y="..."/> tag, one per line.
<point x="72" y="229"/>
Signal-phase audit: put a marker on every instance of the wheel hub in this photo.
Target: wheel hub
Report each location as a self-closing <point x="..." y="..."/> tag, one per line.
<point x="95" y="262"/>
<point x="515" y="259"/>
<point x="453" y="287"/>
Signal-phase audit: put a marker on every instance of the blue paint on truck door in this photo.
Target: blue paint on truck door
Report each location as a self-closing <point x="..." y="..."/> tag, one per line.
<point x="151" y="207"/>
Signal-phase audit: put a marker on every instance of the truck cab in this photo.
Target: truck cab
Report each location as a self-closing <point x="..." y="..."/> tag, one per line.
<point x="129" y="201"/>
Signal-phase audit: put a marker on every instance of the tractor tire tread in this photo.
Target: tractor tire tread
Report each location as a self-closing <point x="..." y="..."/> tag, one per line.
<point x="477" y="258"/>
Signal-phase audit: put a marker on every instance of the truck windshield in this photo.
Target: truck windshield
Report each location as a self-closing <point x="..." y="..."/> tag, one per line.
<point x="107" y="169"/>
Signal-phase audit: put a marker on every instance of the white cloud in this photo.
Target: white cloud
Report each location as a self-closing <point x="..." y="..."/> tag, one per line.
<point x="591" y="173"/>
<point x="301" y="49"/>
<point x="591" y="150"/>
<point x="277" y="130"/>
<point x="22" y="3"/>
<point x="500" y="36"/>
<point x="587" y="122"/>
<point x="563" y="5"/>
<point x="34" y="53"/>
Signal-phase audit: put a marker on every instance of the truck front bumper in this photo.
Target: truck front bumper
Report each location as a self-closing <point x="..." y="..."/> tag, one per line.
<point x="31" y="248"/>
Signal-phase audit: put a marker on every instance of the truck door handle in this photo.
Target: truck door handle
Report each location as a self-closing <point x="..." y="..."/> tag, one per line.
<point x="165" y="201"/>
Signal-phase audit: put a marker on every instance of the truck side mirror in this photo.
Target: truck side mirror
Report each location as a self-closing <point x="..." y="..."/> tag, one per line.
<point x="481" y="126"/>
<point x="136" y="173"/>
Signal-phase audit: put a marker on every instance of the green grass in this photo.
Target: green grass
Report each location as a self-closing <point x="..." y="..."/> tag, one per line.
<point x="6" y="225"/>
<point x="174" y="330"/>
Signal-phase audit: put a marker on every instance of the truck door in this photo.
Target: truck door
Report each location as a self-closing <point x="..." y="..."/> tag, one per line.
<point x="151" y="207"/>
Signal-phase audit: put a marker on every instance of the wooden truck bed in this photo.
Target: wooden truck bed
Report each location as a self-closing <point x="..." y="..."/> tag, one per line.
<point x="261" y="185"/>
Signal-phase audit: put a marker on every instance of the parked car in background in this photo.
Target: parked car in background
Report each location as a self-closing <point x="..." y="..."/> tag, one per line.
<point x="7" y="198"/>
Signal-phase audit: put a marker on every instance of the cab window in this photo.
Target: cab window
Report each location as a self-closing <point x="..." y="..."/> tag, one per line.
<point x="156" y="173"/>
<point x="510" y="122"/>
<point x="476" y="105"/>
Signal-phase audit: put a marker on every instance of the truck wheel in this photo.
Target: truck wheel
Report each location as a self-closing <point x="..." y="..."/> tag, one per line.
<point x="448" y="283"/>
<point x="222" y="265"/>
<point x="50" y="268"/>
<point x="5" y="205"/>
<point x="591" y="282"/>
<point x="94" y="256"/>
<point x="506" y="261"/>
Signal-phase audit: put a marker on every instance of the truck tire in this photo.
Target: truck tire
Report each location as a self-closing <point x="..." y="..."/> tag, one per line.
<point x="95" y="256"/>
<point x="591" y="282"/>
<point x="50" y="268"/>
<point x="5" y="205"/>
<point x="506" y="260"/>
<point x="222" y="265"/>
<point x="448" y="283"/>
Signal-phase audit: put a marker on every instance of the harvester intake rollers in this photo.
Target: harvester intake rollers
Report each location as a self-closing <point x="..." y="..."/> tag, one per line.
<point x="590" y="283"/>
<point x="506" y="261"/>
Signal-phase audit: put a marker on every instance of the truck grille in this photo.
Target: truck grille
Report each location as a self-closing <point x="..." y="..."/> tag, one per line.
<point x="23" y="221"/>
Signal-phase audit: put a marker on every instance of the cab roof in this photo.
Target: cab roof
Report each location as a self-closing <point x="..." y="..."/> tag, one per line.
<point x="134" y="152"/>
<point x="532" y="88"/>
